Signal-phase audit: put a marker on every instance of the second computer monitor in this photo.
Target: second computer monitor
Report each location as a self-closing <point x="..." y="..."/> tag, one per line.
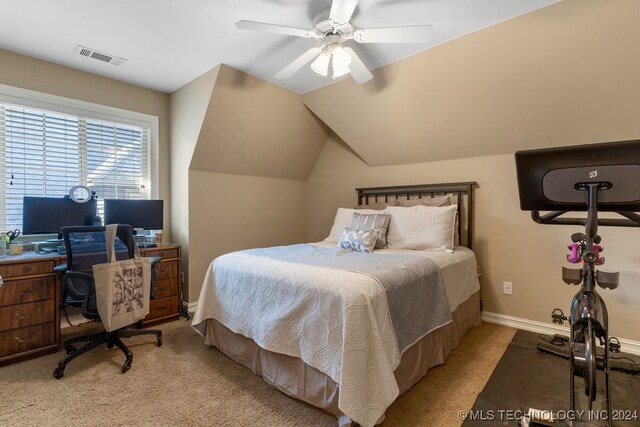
<point x="146" y="214"/>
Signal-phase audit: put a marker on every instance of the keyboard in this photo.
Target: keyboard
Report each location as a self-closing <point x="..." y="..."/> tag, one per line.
<point x="80" y="246"/>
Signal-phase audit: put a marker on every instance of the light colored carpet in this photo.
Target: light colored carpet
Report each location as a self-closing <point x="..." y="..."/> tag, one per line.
<point x="185" y="383"/>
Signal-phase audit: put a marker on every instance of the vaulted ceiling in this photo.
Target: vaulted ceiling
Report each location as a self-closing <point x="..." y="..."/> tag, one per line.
<point x="253" y="127"/>
<point x="563" y="75"/>
<point x="169" y="43"/>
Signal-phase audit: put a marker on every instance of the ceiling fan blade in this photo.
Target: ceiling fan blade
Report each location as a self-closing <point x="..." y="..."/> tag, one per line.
<point x="273" y="28"/>
<point x="359" y="71"/>
<point x="321" y="64"/>
<point x="341" y="11"/>
<point x="410" y="34"/>
<point x="302" y="60"/>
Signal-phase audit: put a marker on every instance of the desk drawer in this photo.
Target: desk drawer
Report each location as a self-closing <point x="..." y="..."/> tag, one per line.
<point x="26" y="269"/>
<point x="31" y="313"/>
<point x="25" y="339"/>
<point x="162" y="307"/>
<point x="164" y="253"/>
<point x="166" y="270"/>
<point x="21" y="291"/>
<point x="166" y="288"/>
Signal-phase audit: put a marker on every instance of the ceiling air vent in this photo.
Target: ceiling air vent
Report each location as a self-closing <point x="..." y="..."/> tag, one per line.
<point x="100" y="56"/>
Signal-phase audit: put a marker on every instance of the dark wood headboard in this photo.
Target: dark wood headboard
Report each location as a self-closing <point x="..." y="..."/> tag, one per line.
<point x="463" y="191"/>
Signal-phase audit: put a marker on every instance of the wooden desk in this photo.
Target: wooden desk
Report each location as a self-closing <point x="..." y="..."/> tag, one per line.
<point x="165" y="305"/>
<point x="29" y="314"/>
<point x="30" y="296"/>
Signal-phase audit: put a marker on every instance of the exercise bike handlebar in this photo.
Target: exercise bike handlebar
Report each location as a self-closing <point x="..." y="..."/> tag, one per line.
<point x="632" y="219"/>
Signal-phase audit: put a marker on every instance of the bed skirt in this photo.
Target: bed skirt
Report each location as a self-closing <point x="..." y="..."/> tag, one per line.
<point x="297" y="379"/>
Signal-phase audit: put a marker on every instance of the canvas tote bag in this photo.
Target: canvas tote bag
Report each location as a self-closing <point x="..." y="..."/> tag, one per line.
<point x="122" y="287"/>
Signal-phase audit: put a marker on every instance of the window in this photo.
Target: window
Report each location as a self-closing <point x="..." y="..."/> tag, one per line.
<point x="45" y="152"/>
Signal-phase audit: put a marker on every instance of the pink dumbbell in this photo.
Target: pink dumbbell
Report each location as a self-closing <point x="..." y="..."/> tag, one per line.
<point x="574" y="256"/>
<point x="597" y="249"/>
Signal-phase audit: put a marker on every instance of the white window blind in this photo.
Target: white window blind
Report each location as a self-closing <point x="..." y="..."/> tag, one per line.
<point x="43" y="153"/>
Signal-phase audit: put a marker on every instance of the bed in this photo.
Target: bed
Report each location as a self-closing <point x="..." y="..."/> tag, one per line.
<point x="345" y="332"/>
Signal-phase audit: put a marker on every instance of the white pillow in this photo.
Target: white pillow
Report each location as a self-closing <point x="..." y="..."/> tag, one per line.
<point x="422" y="227"/>
<point x="343" y="219"/>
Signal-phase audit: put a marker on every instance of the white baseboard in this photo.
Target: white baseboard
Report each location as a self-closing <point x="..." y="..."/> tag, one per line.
<point x="628" y="346"/>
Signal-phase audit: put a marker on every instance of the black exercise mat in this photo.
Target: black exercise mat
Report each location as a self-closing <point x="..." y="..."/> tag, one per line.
<point x="525" y="377"/>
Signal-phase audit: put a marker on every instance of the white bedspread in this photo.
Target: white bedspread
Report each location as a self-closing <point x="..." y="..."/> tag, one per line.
<point x="335" y="321"/>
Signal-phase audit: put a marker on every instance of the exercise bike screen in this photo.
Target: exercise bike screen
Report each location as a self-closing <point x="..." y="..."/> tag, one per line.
<point x="559" y="185"/>
<point x="548" y="179"/>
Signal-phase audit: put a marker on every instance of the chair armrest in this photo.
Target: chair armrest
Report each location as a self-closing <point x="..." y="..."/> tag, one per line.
<point x="60" y="268"/>
<point x="80" y="287"/>
<point x="155" y="260"/>
<point x="63" y="268"/>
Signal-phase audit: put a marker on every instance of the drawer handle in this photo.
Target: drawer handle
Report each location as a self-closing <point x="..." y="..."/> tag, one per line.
<point x="20" y="340"/>
<point x="162" y="307"/>
<point x="27" y="292"/>
<point x="27" y="316"/>
<point x="27" y="269"/>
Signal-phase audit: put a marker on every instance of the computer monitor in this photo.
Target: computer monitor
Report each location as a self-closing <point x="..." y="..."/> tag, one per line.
<point x="550" y="179"/>
<point x="146" y="214"/>
<point x="47" y="215"/>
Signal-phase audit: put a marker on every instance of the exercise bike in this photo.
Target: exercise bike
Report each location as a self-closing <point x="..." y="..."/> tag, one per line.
<point x="589" y="320"/>
<point x="574" y="179"/>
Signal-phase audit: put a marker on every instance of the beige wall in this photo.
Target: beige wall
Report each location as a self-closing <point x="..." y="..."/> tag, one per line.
<point x="42" y="76"/>
<point x="564" y="74"/>
<point x="508" y="244"/>
<point x="234" y="212"/>
<point x="188" y="108"/>
<point x="254" y="127"/>
<point x="255" y="149"/>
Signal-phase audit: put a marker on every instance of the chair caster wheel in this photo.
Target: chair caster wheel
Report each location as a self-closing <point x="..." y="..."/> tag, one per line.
<point x="159" y="341"/>
<point x="70" y="349"/>
<point x="126" y="366"/>
<point x="58" y="373"/>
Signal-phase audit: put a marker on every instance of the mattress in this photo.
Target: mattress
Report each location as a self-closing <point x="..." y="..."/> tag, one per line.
<point x="459" y="270"/>
<point x="337" y="321"/>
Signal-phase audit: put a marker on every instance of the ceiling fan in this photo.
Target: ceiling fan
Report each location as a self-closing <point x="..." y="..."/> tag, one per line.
<point x="331" y="27"/>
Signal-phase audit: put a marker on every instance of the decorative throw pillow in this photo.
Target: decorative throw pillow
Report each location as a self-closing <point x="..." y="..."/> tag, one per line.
<point x="422" y="227"/>
<point x="343" y="219"/>
<point x="358" y="240"/>
<point x="378" y="222"/>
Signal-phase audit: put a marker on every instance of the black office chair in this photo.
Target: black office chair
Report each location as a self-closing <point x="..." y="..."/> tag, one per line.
<point x="85" y="247"/>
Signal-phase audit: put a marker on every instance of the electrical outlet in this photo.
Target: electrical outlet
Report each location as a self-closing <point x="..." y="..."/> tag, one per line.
<point x="508" y="288"/>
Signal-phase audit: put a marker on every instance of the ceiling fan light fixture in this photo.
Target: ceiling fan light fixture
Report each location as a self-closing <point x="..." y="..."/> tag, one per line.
<point x="340" y="63"/>
<point x="332" y="27"/>
<point x="321" y="64"/>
